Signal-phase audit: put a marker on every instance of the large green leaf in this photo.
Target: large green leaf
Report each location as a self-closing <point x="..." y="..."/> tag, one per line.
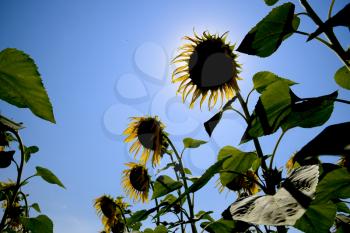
<point x="21" y="84"/>
<point x="237" y="162"/>
<point x="331" y="141"/>
<point x="164" y="185"/>
<point x="265" y="38"/>
<point x="40" y="224"/>
<point x="160" y="229"/>
<point x="220" y="226"/>
<point x="48" y="176"/>
<point x="272" y="107"/>
<point x="336" y="184"/>
<point x="193" y="143"/>
<point x="317" y="218"/>
<point x="342" y="77"/>
<point x="263" y="79"/>
<point x="311" y="112"/>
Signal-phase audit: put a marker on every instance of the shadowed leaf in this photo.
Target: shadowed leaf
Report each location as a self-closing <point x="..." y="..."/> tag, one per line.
<point x="40" y="224"/>
<point x="265" y="38"/>
<point x="317" y="218"/>
<point x="311" y="112"/>
<point x="331" y="141"/>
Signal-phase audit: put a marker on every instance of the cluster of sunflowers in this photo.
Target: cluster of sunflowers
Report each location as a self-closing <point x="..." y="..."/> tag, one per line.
<point x="209" y="69"/>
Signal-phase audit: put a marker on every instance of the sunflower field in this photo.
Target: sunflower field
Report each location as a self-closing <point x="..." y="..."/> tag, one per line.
<point x="310" y="193"/>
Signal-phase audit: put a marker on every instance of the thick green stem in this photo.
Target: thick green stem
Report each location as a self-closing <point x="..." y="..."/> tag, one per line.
<point x="336" y="46"/>
<point x="18" y="182"/>
<point x="183" y="177"/>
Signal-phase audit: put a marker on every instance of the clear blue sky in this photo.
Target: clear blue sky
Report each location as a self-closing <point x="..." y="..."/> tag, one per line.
<point x="104" y="61"/>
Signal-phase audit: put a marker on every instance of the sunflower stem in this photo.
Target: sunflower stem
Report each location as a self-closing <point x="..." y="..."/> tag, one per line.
<point x="183" y="176"/>
<point x="178" y="192"/>
<point x="276" y="146"/>
<point x="18" y="182"/>
<point x="156" y="201"/>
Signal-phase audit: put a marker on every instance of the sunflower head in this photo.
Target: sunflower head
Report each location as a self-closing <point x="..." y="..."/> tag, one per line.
<point x="291" y="164"/>
<point x="209" y="68"/>
<point x="148" y="133"/>
<point x="246" y="182"/>
<point x="111" y="212"/>
<point x="136" y="181"/>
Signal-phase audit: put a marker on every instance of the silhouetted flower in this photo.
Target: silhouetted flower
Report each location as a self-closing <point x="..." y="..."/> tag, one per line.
<point x="146" y="132"/>
<point x="210" y="69"/>
<point x="136" y="181"/>
<point x="111" y="211"/>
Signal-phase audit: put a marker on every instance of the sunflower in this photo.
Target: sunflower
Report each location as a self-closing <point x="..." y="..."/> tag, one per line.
<point x="209" y="69"/>
<point x="111" y="212"/>
<point x="146" y="132"/>
<point x="291" y="164"/>
<point x="247" y="182"/>
<point x="136" y="181"/>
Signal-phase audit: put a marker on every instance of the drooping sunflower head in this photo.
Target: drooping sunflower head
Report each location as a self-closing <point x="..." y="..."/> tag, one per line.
<point x="136" y="181"/>
<point x="148" y="133"/>
<point x="209" y="68"/>
<point x="244" y="182"/>
<point x="111" y="211"/>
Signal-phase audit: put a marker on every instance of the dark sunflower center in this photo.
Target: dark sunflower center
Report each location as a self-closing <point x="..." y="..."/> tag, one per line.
<point x="211" y="64"/>
<point x="148" y="133"/>
<point x="139" y="179"/>
<point x="108" y="207"/>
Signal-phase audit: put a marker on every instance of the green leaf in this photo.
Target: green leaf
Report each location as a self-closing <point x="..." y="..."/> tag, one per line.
<point x="270" y="2"/>
<point x="48" y="176"/>
<point x="317" y="218"/>
<point x="193" y="143"/>
<point x="21" y="84"/>
<point x="263" y="79"/>
<point x="36" y="207"/>
<point x="28" y="151"/>
<point x="328" y="142"/>
<point x="311" y="112"/>
<point x="166" y="167"/>
<point x="237" y="161"/>
<point x="265" y="38"/>
<point x="148" y="230"/>
<point x="220" y="226"/>
<point x="170" y="198"/>
<point x="187" y="171"/>
<point x="40" y="224"/>
<point x="342" y="77"/>
<point x="204" y="215"/>
<point x="335" y="185"/>
<point x="272" y="107"/>
<point x="138" y="216"/>
<point x="164" y="185"/>
<point x="160" y="229"/>
<point x="342" y="207"/>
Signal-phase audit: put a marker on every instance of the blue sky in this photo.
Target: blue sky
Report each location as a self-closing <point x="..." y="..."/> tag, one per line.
<point x="104" y="61"/>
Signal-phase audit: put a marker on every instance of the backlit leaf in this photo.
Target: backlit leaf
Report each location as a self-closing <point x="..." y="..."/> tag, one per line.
<point x="164" y="185"/>
<point x="48" y="176"/>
